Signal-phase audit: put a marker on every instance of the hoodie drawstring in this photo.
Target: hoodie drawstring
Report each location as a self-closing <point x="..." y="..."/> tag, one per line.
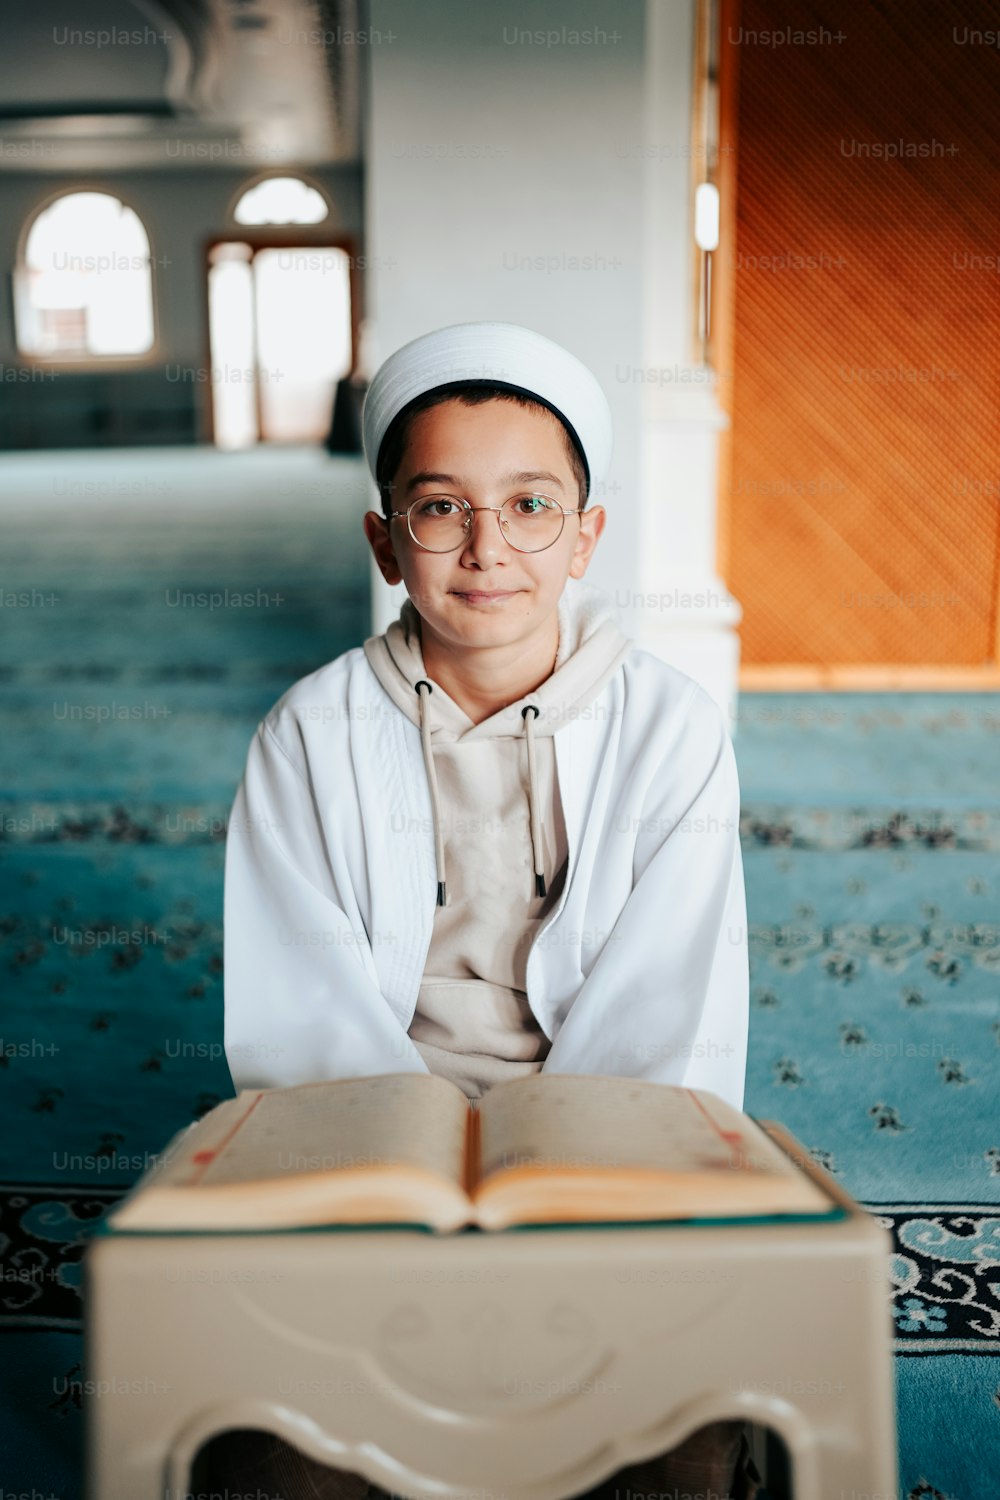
<point x="425" y="739"/>
<point x="536" y="831"/>
<point x="535" y="819"/>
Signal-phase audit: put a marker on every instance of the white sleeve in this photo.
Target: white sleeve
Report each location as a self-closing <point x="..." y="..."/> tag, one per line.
<point x="302" y="1000"/>
<point x="667" y="999"/>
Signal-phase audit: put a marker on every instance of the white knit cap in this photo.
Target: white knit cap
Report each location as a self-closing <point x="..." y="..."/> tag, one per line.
<point x="498" y="354"/>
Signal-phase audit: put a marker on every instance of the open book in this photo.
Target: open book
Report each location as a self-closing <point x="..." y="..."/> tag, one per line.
<point x="409" y="1148"/>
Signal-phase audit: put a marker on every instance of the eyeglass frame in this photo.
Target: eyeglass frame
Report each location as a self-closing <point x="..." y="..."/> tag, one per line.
<point x="471" y="510"/>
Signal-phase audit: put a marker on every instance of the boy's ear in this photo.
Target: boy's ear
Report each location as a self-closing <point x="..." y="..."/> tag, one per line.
<point x="379" y="533"/>
<point x="591" y="525"/>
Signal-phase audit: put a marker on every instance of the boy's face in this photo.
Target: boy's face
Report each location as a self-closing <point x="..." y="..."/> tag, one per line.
<point x="478" y="448"/>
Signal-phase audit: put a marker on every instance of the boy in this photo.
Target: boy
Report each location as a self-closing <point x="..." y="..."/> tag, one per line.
<point x="499" y="838"/>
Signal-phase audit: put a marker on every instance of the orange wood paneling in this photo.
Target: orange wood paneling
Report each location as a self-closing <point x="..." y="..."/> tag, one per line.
<point x="858" y="336"/>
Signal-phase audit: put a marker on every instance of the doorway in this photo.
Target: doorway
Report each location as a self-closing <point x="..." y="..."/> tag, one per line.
<point x="282" y="332"/>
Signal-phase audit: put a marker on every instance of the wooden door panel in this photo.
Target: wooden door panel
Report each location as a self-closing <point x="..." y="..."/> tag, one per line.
<point x="860" y="483"/>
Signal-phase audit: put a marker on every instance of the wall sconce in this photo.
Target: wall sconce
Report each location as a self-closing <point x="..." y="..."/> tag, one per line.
<point x="706" y="234"/>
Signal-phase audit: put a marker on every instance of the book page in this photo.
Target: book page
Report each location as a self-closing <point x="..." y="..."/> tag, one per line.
<point x="391" y="1119"/>
<point x="591" y="1121"/>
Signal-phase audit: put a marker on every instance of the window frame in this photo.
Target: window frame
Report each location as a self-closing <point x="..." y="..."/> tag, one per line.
<point x="63" y="362"/>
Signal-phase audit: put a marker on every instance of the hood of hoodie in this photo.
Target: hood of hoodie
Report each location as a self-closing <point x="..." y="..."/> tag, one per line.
<point x="592" y="644"/>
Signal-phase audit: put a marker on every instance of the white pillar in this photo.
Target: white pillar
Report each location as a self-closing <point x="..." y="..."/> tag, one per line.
<point x="684" y="613"/>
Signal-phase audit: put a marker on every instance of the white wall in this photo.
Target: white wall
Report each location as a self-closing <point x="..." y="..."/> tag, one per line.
<point x="485" y="151"/>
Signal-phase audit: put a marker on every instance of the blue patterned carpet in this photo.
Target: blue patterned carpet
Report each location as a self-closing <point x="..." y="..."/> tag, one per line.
<point x="871" y="825"/>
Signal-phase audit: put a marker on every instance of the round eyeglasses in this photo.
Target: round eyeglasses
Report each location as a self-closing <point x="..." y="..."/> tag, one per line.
<point x="443" y="523"/>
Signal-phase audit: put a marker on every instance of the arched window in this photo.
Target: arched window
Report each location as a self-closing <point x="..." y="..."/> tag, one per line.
<point x="281" y="200"/>
<point x="84" y="287"/>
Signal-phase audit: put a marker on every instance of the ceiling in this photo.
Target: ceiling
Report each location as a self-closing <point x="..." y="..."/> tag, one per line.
<point x="118" y="84"/>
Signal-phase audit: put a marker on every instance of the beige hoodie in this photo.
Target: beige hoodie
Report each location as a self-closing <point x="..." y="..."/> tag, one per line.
<point x="500" y="842"/>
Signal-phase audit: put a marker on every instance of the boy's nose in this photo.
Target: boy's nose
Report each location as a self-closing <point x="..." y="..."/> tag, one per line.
<point x="485" y="539"/>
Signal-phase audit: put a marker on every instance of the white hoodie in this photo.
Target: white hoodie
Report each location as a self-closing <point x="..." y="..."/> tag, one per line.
<point x="336" y="857"/>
